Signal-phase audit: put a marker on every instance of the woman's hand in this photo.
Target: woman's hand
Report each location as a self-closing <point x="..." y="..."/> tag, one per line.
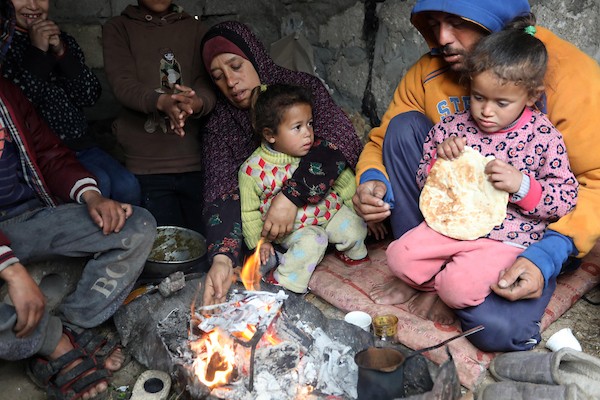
<point x="218" y="280"/>
<point x="279" y="220"/>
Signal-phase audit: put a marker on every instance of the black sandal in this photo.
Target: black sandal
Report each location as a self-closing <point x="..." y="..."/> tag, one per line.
<point x="98" y="346"/>
<point x="72" y="384"/>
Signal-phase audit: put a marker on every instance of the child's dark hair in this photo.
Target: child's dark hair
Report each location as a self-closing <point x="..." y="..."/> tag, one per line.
<point x="269" y="103"/>
<point x="514" y="55"/>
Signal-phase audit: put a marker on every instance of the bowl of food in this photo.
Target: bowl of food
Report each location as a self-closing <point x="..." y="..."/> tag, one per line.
<point x="174" y="249"/>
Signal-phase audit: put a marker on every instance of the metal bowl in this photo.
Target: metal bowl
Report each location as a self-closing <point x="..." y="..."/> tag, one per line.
<point x="174" y="249"/>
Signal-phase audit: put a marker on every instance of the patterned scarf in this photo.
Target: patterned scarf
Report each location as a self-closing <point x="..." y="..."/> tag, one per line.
<point x="231" y="126"/>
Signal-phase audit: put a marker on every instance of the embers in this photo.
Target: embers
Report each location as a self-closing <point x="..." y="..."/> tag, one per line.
<point x="291" y="359"/>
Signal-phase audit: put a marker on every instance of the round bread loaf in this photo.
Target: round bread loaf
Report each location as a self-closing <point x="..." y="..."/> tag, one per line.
<point x="458" y="201"/>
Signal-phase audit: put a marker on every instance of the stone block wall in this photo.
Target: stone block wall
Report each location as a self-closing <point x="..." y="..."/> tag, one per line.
<point x="361" y="48"/>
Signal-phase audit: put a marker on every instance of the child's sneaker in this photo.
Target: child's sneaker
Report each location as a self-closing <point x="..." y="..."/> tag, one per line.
<point x="349" y="261"/>
<point x="270" y="278"/>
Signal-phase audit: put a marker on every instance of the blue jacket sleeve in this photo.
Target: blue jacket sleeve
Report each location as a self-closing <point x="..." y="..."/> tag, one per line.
<point x="373" y="174"/>
<point x="550" y="253"/>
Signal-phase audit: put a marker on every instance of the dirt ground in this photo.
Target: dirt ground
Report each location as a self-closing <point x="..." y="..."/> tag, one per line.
<point x="583" y="319"/>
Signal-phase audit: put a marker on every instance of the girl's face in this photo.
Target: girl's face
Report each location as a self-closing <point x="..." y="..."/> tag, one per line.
<point x="235" y="77"/>
<point x="294" y="134"/>
<point x="496" y="104"/>
<point x="158" y="7"/>
<point x="29" y="11"/>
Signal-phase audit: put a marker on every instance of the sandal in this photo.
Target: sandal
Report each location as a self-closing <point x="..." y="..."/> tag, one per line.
<point x="72" y="384"/>
<point x="98" y="346"/>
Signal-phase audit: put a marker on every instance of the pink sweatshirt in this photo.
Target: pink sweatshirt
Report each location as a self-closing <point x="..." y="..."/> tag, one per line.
<point x="533" y="146"/>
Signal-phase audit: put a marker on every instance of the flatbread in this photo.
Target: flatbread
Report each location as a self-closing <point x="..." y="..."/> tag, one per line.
<point x="458" y="201"/>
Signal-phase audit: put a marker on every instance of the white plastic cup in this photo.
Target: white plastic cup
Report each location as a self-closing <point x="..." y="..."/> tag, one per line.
<point x="360" y="319"/>
<point x="563" y="338"/>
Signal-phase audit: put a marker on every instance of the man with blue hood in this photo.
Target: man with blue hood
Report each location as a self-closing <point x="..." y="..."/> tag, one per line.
<point x="432" y="89"/>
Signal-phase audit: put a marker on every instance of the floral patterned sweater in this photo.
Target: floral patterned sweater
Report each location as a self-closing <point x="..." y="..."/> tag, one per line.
<point x="535" y="147"/>
<point x="261" y="178"/>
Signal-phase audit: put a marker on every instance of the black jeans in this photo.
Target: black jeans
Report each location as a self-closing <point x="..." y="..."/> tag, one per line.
<point x="174" y="199"/>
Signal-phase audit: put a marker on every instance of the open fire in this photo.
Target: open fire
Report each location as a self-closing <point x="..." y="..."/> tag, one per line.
<point x="252" y="348"/>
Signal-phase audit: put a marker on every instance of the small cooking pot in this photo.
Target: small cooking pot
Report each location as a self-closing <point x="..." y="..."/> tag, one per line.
<point x="384" y="373"/>
<point x="174" y="249"/>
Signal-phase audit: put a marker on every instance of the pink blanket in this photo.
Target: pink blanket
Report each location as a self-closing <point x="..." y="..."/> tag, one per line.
<point x="347" y="288"/>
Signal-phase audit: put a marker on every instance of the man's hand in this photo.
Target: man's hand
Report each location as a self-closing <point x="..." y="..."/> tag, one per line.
<point x="279" y="220"/>
<point x="523" y="280"/>
<point x="218" y="280"/>
<point x="368" y="201"/>
<point x="26" y="296"/>
<point x="108" y="214"/>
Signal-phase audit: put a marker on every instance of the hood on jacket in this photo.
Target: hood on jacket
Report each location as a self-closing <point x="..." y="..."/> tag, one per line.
<point x="137" y="13"/>
<point x="492" y="15"/>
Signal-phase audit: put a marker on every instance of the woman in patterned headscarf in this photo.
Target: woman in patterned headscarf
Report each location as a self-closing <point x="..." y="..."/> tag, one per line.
<point x="237" y="62"/>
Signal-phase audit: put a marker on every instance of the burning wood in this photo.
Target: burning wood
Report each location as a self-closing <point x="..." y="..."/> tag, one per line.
<point x="253" y="347"/>
<point x="215" y="361"/>
<point x="242" y="316"/>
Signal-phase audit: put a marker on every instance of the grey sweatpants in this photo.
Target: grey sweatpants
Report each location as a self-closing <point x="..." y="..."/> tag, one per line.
<point x="116" y="260"/>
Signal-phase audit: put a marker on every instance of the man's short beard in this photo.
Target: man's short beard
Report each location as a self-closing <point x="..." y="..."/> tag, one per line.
<point x="458" y="67"/>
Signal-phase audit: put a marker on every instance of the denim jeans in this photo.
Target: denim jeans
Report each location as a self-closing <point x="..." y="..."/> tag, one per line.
<point x="402" y="151"/>
<point x="114" y="180"/>
<point x="114" y="263"/>
<point x="174" y="199"/>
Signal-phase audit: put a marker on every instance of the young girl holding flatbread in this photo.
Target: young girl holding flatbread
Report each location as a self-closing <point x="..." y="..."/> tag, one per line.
<point x="283" y="119"/>
<point x="493" y="178"/>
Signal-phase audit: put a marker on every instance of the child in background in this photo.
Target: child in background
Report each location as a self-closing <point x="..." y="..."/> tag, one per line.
<point x="506" y="72"/>
<point x="282" y="117"/>
<point x="49" y="66"/>
<point x="153" y="61"/>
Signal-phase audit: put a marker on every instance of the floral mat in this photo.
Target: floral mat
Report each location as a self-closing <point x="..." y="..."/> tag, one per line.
<point x="347" y="288"/>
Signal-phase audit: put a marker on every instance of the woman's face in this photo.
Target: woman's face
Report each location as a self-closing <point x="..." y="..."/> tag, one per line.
<point x="235" y="77"/>
<point x="30" y="11"/>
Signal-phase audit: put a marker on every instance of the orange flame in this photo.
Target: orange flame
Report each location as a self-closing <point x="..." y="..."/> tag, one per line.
<point x="247" y="334"/>
<point x="250" y="274"/>
<point x="272" y="338"/>
<point x="215" y="360"/>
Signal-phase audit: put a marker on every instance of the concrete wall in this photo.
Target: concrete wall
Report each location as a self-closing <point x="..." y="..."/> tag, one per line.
<point x="361" y="48"/>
